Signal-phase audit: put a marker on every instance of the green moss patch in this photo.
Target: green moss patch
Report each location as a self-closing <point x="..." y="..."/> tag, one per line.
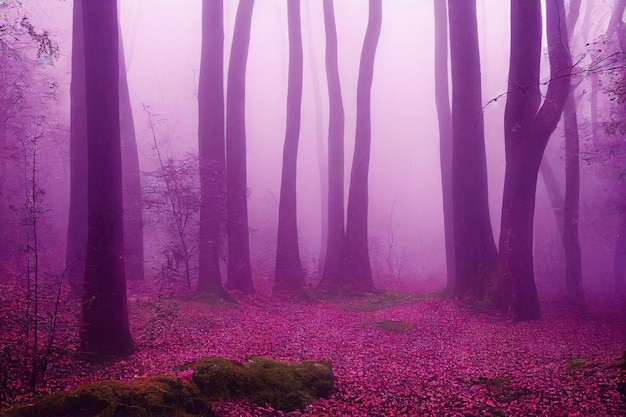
<point x="284" y="385"/>
<point x="396" y="326"/>
<point x="160" y="396"/>
<point x="380" y="301"/>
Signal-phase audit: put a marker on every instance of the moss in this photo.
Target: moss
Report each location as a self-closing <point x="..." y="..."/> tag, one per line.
<point x="265" y="381"/>
<point x="161" y="396"/>
<point x="380" y="301"/>
<point x="576" y="363"/>
<point x="394" y="326"/>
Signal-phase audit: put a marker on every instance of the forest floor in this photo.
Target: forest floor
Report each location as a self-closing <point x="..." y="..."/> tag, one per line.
<point x="393" y="354"/>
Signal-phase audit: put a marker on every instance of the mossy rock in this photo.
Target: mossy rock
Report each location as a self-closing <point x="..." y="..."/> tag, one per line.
<point x="285" y="386"/>
<point x="160" y="396"/>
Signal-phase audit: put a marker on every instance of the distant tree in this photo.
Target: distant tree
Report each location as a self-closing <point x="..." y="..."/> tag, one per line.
<point x="289" y="275"/>
<point x="335" y="246"/>
<point x="474" y="246"/>
<point x="131" y="183"/>
<point x="239" y="271"/>
<point x="444" y="118"/>
<point x="104" y="328"/>
<point x="571" y="203"/>
<point x="358" y="272"/>
<point x="211" y="148"/>
<point x="528" y="126"/>
<point x="77" y="219"/>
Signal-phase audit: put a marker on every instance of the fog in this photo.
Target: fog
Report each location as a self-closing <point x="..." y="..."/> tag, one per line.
<point x="162" y="44"/>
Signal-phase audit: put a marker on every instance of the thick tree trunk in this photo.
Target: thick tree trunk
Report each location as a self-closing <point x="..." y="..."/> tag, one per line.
<point x="288" y="274"/>
<point x="239" y="271"/>
<point x="358" y="271"/>
<point x="131" y="183"/>
<point x="104" y="329"/>
<point x="335" y="246"/>
<point x="528" y="127"/>
<point x="77" y="221"/>
<point x="211" y="148"/>
<point x="444" y="118"/>
<point x="474" y="247"/>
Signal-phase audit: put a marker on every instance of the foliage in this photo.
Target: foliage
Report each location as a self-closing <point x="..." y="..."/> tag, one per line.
<point x="172" y="197"/>
<point x="379" y="301"/>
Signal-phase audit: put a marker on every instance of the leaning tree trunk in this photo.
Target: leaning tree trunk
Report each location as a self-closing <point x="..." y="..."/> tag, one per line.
<point x="239" y="271"/>
<point x="444" y="118"/>
<point x="288" y="274"/>
<point x="211" y="148"/>
<point x="358" y="271"/>
<point x="335" y="245"/>
<point x="528" y="126"/>
<point x="131" y="183"/>
<point x="104" y="329"/>
<point x="474" y="246"/>
<point x="77" y="220"/>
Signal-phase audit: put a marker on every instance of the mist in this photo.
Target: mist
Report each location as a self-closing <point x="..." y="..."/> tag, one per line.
<point x="523" y="224"/>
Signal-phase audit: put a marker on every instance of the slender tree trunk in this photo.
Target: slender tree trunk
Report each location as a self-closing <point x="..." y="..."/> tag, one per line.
<point x="554" y="194"/>
<point x="131" y="183"/>
<point x="335" y="245"/>
<point x="104" y="329"/>
<point x="289" y="275"/>
<point x="322" y="154"/>
<point x="77" y="220"/>
<point x="528" y="126"/>
<point x="619" y="259"/>
<point x="444" y="118"/>
<point x="474" y="247"/>
<point x="239" y="271"/>
<point x="211" y="148"/>
<point x="358" y="271"/>
<point x="573" y="259"/>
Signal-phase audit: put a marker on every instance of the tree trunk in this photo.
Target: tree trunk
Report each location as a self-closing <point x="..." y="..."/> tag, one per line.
<point x="573" y="261"/>
<point x="554" y="194"/>
<point x="358" y="271"/>
<point x="211" y="148"/>
<point x="474" y="247"/>
<point x="77" y="220"/>
<point x="239" y="271"/>
<point x="528" y="127"/>
<point x="289" y="275"/>
<point x="619" y="260"/>
<point x="335" y="246"/>
<point x="104" y="328"/>
<point x="131" y="183"/>
<point x="445" y="133"/>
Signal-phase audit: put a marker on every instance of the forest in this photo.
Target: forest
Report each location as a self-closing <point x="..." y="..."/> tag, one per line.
<point x="312" y="208"/>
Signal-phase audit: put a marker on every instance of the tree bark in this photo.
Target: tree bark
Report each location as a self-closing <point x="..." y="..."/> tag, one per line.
<point x="335" y="246"/>
<point x="239" y="271"/>
<point x="358" y="271"/>
<point x="474" y="247"/>
<point x="528" y="126"/>
<point x="554" y="194"/>
<point x="131" y="182"/>
<point x="104" y="329"/>
<point x="444" y="118"/>
<point x="288" y="274"/>
<point x="211" y="148"/>
<point x="573" y="258"/>
<point x="77" y="221"/>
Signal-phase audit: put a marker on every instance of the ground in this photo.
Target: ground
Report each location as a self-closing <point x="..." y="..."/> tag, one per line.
<point x="393" y="354"/>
